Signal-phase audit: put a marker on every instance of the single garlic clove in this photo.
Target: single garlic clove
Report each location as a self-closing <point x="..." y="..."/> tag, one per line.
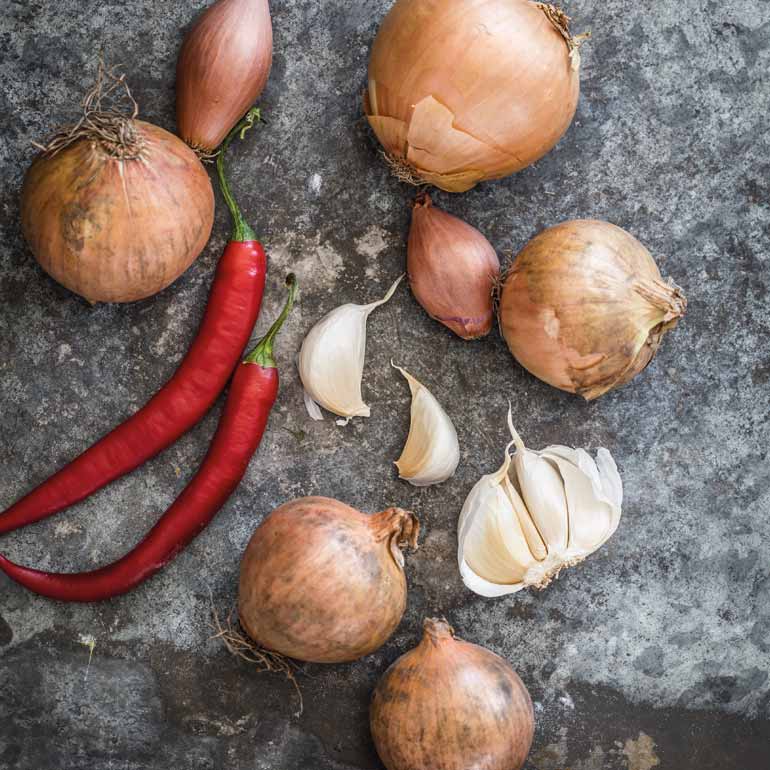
<point x="611" y="483"/>
<point x="493" y="554"/>
<point x="542" y="490"/>
<point x="590" y="515"/>
<point x="331" y="360"/>
<point x="432" y="452"/>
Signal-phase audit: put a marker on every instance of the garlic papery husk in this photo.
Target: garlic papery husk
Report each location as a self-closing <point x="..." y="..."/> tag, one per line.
<point x="432" y="452"/>
<point x="331" y="360"/>
<point x="538" y="514"/>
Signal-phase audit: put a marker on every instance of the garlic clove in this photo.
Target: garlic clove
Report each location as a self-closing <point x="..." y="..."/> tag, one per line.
<point x="492" y="550"/>
<point x="432" y="452"/>
<point x="606" y="484"/>
<point x="332" y="357"/>
<point x="542" y="490"/>
<point x="611" y="483"/>
<point x="590" y="516"/>
<point x="536" y="545"/>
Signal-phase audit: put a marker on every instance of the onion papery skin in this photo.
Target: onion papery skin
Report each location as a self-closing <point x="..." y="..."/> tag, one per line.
<point x="451" y="705"/>
<point x="452" y="269"/>
<point x="584" y="307"/>
<point x="462" y="91"/>
<point x="222" y="70"/>
<point x="118" y="229"/>
<point x="324" y="583"/>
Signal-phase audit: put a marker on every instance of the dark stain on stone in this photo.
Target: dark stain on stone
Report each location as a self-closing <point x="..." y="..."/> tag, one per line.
<point x="6" y="632"/>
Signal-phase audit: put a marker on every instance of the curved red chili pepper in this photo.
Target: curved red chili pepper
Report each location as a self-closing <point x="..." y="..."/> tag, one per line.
<point x="252" y="395"/>
<point x="232" y="311"/>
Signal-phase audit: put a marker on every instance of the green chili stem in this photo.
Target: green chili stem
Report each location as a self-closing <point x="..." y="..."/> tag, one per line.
<point x="241" y="229"/>
<point x="262" y="355"/>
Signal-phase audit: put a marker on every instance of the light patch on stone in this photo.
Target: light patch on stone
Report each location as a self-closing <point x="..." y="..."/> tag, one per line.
<point x="65" y="528"/>
<point x="641" y="753"/>
<point x="65" y="351"/>
<point x="370" y="245"/>
<point x="567" y="702"/>
<point x="315" y="263"/>
<point x="315" y="183"/>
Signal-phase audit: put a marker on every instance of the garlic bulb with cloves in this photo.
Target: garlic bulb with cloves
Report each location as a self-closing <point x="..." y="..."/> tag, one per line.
<point x="331" y="360"/>
<point x="432" y="452"/>
<point x="538" y="514"/>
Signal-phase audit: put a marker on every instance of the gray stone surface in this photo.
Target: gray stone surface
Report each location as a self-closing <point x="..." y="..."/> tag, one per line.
<point x="654" y="653"/>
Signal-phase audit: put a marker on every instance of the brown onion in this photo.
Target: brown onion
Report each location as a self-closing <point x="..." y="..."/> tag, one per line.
<point x="464" y="91"/>
<point x="584" y="307"/>
<point x="452" y="269"/>
<point x="114" y="208"/>
<point x="223" y="68"/>
<point x="451" y="705"/>
<point x="324" y="583"/>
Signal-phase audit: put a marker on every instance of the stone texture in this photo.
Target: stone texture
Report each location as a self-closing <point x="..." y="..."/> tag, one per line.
<point x="653" y="653"/>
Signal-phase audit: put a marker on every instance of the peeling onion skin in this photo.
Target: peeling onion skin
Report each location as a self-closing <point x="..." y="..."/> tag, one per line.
<point x="460" y="92"/>
<point x="222" y="70"/>
<point x="322" y="582"/>
<point x="584" y="307"/>
<point x="118" y="230"/>
<point x="452" y="269"/>
<point x="451" y="705"/>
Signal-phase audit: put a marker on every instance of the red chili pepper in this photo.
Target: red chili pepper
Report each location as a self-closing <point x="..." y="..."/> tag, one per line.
<point x="252" y="395"/>
<point x="232" y="311"/>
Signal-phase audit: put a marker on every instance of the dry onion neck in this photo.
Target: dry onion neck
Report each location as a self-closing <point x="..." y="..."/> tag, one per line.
<point x="401" y="528"/>
<point x="561" y="23"/>
<point x="104" y="120"/>
<point x="438" y="630"/>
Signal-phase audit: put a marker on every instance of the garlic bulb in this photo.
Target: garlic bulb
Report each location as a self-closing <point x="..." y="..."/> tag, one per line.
<point x="432" y="452"/>
<point x="331" y="360"/>
<point x="539" y="513"/>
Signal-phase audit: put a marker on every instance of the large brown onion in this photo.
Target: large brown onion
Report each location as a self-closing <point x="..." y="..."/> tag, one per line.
<point x="452" y="270"/>
<point x="463" y="91"/>
<point x="451" y="705"/>
<point x="584" y="307"/>
<point x="324" y="583"/>
<point x="223" y="67"/>
<point x="116" y="209"/>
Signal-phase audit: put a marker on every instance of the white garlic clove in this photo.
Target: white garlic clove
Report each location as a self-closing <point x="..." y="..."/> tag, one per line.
<point x="331" y="360"/>
<point x="492" y="551"/>
<point x="536" y="545"/>
<point x="605" y="495"/>
<point x="590" y="516"/>
<point x="432" y="452"/>
<point x="611" y="483"/>
<point x="542" y="490"/>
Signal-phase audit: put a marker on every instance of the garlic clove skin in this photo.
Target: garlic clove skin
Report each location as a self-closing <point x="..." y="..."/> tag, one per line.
<point x="331" y="360"/>
<point x="432" y="451"/>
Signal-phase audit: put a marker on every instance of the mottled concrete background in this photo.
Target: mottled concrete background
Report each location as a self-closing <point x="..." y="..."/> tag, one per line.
<point x="654" y="653"/>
